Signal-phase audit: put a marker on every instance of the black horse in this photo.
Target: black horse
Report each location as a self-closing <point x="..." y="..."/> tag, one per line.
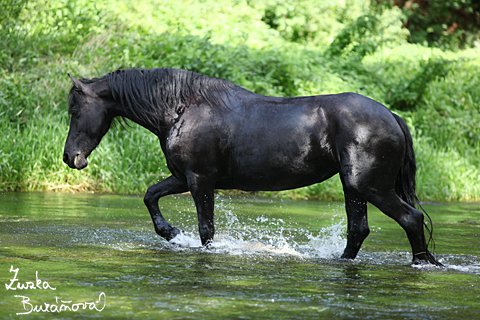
<point x="216" y="135"/>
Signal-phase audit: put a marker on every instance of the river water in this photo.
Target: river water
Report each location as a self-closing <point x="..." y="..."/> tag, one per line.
<point x="272" y="259"/>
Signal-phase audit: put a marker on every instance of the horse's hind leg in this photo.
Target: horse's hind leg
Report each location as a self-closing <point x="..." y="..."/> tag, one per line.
<point x="376" y="184"/>
<point x="358" y="230"/>
<point x="166" y="187"/>
<point x="409" y="218"/>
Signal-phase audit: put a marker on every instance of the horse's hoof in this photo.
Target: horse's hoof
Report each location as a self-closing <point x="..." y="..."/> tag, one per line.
<point x="348" y="256"/>
<point x="344" y="260"/>
<point x="430" y="260"/>
<point x="208" y="245"/>
<point x="419" y="262"/>
<point x="172" y="233"/>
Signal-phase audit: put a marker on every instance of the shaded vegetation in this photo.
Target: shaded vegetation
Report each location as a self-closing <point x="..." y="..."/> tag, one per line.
<point x="447" y="23"/>
<point x="268" y="46"/>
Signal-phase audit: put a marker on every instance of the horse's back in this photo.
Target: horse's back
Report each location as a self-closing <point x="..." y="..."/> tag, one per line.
<point x="349" y="109"/>
<point x="328" y="119"/>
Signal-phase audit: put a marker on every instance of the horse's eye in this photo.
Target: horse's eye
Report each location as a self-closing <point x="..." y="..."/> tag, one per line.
<point x="75" y="113"/>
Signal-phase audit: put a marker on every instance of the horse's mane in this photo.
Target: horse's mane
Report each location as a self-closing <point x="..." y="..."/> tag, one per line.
<point x="152" y="94"/>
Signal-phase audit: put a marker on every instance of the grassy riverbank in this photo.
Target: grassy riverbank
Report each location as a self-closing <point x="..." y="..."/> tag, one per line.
<point x="327" y="48"/>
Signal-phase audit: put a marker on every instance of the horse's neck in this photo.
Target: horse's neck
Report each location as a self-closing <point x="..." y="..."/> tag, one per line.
<point x="158" y="124"/>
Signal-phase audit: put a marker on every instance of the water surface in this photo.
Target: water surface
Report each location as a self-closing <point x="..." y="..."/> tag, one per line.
<point x="272" y="259"/>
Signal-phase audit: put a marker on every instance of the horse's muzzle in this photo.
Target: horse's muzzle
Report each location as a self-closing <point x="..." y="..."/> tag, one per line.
<point x="78" y="161"/>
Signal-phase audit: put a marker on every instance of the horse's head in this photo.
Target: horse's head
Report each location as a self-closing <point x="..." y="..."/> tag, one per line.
<point x="90" y="105"/>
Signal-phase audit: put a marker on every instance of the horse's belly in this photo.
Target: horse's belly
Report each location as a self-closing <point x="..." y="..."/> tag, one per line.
<point x="274" y="182"/>
<point x="270" y="163"/>
<point x="277" y="171"/>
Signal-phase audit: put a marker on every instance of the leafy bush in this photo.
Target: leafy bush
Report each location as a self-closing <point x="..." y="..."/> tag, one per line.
<point x="408" y="94"/>
<point x="268" y="46"/>
<point x="446" y="24"/>
<point x="303" y="21"/>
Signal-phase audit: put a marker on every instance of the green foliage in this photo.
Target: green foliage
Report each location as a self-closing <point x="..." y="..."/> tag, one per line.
<point x="48" y="27"/>
<point x="271" y="47"/>
<point x="446" y="23"/>
<point x="303" y="21"/>
<point x="357" y="37"/>
<point x="409" y="94"/>
<point x="10" y="11"/>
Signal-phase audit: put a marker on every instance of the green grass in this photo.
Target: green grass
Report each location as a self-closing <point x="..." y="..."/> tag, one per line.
<point x="322" y="49"/>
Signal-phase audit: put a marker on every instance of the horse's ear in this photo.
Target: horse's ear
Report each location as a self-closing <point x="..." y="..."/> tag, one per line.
<point x="77" y="83"/>
<point x="101" y="88"/>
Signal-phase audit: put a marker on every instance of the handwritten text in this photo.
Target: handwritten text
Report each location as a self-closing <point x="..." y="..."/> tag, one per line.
<point x="60" y="306"/>
<point x="38" y="284"/>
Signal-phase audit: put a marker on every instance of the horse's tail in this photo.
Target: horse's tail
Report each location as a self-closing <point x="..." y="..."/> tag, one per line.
<point x="405" y="184"/>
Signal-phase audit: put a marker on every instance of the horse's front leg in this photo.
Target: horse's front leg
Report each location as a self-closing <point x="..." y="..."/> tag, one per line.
<point x="166" y="187"/>
<point x="202" y="190"/>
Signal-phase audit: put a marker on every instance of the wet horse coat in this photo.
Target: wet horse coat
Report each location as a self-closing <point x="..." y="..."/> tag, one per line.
<point x="216" y="135"/>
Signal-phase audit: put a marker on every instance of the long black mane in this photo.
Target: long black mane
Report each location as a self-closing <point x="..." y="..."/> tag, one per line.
<point x="151" y="95"/>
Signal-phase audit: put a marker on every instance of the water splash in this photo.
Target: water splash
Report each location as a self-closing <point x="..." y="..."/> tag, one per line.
<point x="469" y="268"/>
<point x="464" y="264"/>
<point x="264" y="235"/>
<point x="329" y="243"/>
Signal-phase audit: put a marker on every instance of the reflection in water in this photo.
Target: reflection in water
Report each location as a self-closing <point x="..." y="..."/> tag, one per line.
<point x="271" y="259"/>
